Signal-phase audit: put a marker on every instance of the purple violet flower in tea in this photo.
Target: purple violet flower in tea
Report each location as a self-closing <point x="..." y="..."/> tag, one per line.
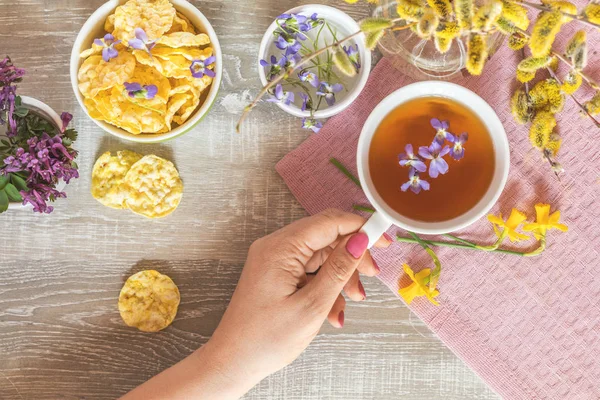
<point x="353" y="55"/>
<point x="409" y="159"/>
<point x="141" y="41"/>
<point x="275" y="66"/>
<point x="328" y="91"/>
<point x="415" y="183"/>
<point x="282" y="96"/>
<point x="200" y="68"/>
<point x="457" y="150"/>
<point x="108" y="43"/>
<point x="136" y="90"/>
<point x="435" y="153"/>
<point x="442" y="133"/>
<point x="312" y="124"/>
<point x="310" y="77"/>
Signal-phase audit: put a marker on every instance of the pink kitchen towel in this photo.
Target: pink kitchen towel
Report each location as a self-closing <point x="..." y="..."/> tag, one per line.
<point x="530" y="327"/>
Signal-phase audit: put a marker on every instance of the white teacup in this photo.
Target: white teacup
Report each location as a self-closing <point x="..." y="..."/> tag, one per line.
<point x="385" y="216"/>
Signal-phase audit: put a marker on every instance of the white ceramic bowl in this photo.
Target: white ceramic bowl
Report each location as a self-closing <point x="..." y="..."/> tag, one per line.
<point x="385" y="216"/>
<point x="94" y="28"/>
<point x="345" y="26"/>
<point x="49" y="114"/>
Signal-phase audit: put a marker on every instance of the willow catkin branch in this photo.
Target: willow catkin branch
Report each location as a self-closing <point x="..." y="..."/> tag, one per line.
<point x="541" y="7"/>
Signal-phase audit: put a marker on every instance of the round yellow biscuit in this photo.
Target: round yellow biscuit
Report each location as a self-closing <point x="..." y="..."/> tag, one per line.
<point x="107" y="177"/>
<point x="149" y="301"/>
<point x="154" y="187"/>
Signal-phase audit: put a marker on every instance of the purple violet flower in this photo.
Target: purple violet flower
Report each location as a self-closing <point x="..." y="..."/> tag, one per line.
<point x="108" y="43"/>
<point x="136" y="90"/>
<point x="415" y="183"/>
<point x="457" y="151"/>
<point x="275" y="66"/>
<point x="141" y="41"/>
<point x="409" y="159"/>
<point x="290" y="44"/>
<point x="442" y="133"/>
<point x="310" y="77"/>
<point x="306" y="101"/>
<point x="281" y="96"/>
<point x="312" y="124"/>
<point x="353" y="55"/>
<point x="9" y="75"/>
<point x="200" y="68"/>
<point x="328" y="91"/>
<point x="435" y="153"/>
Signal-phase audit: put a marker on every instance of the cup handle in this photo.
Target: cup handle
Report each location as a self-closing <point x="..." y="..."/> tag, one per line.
<point x="376" y="226"/>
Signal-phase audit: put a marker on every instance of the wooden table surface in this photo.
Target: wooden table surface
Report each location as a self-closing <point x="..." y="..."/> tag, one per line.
<point x="61" y="336"/>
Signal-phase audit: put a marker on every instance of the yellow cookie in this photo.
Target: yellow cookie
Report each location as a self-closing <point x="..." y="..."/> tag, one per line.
<point x="107" y="177"/>
<point x="154" y="187"/>
<point x="149" y="301"/>
<point x="96" y="75"/>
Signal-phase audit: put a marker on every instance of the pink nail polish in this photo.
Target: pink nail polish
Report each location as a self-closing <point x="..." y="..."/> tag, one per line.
<point x="376" y="267"/>
<point x="341" y="319"/>
<point x="388" y="238"/>
<point x="357" y="245"/>
<point x="361" y="288"/>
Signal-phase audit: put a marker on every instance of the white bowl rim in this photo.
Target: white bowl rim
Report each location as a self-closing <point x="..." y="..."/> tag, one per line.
<point x="365" y="55"/>
<point x="99" y="16"/>
<point x="46" y="109"/>
<point x="487" y="115"/>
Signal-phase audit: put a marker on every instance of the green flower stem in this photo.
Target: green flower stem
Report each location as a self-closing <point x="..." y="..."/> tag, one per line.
<point x="435" y="274"/>
<point x="460" y="240"/>
<point x="345" y="171"/>
<point x="539" y="250"/>
<point x="495" y="245"/>
<point x="456" y="245"/>
<point x="366" y="209"/>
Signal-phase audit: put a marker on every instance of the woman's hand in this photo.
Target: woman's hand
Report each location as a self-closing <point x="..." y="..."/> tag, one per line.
<point x="291" y="283"/>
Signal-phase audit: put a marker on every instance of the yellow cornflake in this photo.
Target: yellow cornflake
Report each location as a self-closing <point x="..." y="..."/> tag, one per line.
<point x="487" y="16"/>
<point x="427" y="25"/>
<point x="544" y="32"/>
<point x="441" y="44"/>
<point x="541" y="128"/>
<point x="593" y="105"/>
<point x="547" y="95"/>
<point x="515" y="13"/>
<point x="448" y="30"/>
<point x="519" y="107"/>
<point x="442" y="8"/>
<point x="592" y="12"/>
<point x="524" y="77"/>
<point x="517" y="41"/>
<point x="532" y="64"/>
<point x="463" y="10"/>
<point x="410" y="10"/>
<point x="477" y="53"/>
<point x="572" y="82"/>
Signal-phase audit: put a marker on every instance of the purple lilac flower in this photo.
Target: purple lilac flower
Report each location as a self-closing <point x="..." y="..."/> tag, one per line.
<point x="457" y="151"/>
<point x="138" y="91"/>
<point x="108" y="43"/>
<point x="353" y="55"/>
<point x="141" y="41"/>
<point x="442" y="131"/>
<point x="9" y="75"/>
<point x="310" y="77"/>
<point x="281" y="96"/>
<point x="275" y="66"/>
<point x="290" y="44"/>
<point x="312" y="124"/>
<point x="435" y="153"/>
<point x="415" y="183"/>
<point x="328" y="91"/>
<point x="200" y="68"/>
<point x="38" y="196"/>
<point x="306" y="101"/>
<point x="409" y="159"/>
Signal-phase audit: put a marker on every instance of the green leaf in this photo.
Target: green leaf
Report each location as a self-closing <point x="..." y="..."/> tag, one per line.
<point x="19" y="182"/>
<point x="21" y="112"/>
<point x="13" y="193"/>
<point x="3" y="181"/>
<point x="3" y="201"/>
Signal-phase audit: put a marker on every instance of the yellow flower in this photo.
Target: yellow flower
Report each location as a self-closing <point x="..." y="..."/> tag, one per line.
<point x="509" y="227"/>
<point x="419" y="286"/>
<point x="545" y="221"/>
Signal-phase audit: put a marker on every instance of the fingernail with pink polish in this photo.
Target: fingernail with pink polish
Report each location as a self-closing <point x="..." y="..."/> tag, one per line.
<point x="376" y="267"/>
<point x="361" y="288"/>
<point x="357" y="245"/>
<point x="388" y="238"/>
<point x="341" y="319"/>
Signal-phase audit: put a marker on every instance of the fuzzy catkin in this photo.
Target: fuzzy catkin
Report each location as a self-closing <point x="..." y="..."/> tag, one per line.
<point x="572" y="82"/>
<point x="464" y="13"/>
<point x="519" y="107"/>
<point x="442" y="8"/>
<point x="544" y="32"/>
<point x="541" y="128"/>
<point x="477" y="53"/>
<point x="487" y="16"/>
<point x="516" y="14"/>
